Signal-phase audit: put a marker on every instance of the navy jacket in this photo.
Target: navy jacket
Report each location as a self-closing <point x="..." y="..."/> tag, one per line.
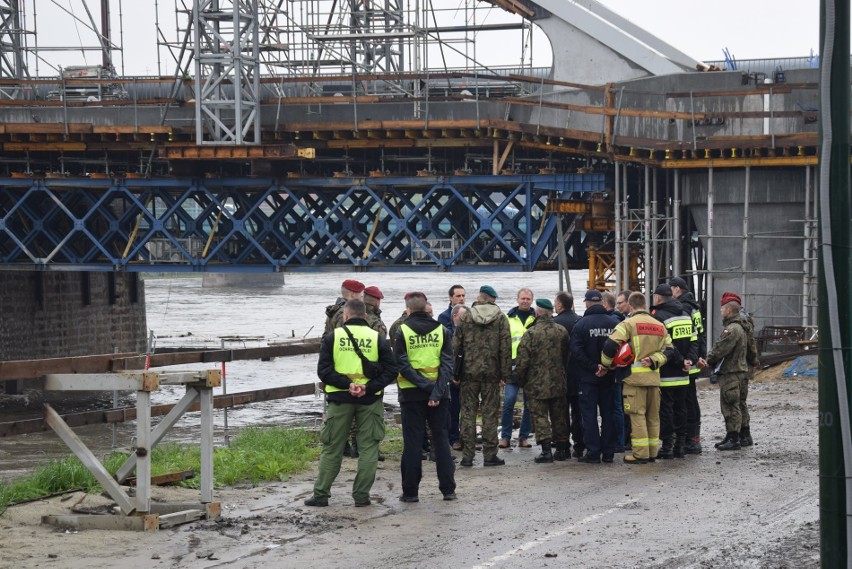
<point x="446" y="318"/>
<point x="587" y="341"/>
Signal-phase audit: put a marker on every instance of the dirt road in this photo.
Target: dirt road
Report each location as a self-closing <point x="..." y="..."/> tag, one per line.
<point x="754" y="508"/>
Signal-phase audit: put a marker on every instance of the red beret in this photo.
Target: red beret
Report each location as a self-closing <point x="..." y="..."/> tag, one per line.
<point x="415" y="293"/>
<point x="374" y="292"/>
<point x="353" y="285"/>
<point x="730" y="297"/>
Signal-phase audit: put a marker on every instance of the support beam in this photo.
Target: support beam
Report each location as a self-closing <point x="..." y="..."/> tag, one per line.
<point x="89" y="460"/>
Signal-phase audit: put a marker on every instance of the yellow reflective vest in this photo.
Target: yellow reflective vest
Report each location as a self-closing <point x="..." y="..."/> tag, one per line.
<point x="517" y="329"/>
<point x="346" y="360"/>
<point x="424" y="353"/>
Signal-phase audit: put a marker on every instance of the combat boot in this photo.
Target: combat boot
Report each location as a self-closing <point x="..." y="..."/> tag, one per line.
<point x="546" y="454"/>
<point x="731" y="443"/>
<point x="723" y="441"/>
<point x="561" y="453"/>
<point x="665" y="451"/>
<point x="678" y="450"/>
<point x="745" y="437"/>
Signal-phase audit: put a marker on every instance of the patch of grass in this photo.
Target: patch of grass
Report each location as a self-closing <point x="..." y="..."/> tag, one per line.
<point x="392" y="444"/>
<point x="255" y="455"/>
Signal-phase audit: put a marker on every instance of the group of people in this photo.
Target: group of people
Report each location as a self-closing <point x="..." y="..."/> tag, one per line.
<point x="621" y="378"/>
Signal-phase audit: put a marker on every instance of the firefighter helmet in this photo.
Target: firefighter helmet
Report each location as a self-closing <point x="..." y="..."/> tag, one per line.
<point x="624" y="356"/>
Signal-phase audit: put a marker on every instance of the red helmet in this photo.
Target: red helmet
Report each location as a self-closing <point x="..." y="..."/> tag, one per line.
<point x="624" y="356"/>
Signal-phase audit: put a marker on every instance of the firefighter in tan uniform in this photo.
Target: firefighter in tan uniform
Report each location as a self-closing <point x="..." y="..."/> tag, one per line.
<point x="652" y="347"/>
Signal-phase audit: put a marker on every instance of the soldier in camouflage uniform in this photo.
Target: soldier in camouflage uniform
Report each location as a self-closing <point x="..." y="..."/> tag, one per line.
<point x="483" y="336"/>
<point x="729" y="354"/>
<point x="542" y="356"/>
<point x="373" y="299"/>
<point x="351" y="289"/>
<point x="753" y="362"/>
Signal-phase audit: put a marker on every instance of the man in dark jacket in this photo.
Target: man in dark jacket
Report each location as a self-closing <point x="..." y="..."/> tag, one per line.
<point x="457" y="296"/>
<point x="680" y="291"/>
<point x="567" y="318"/>
<point x="674" y="375"/>
<point x="596" y="383"/>
<point x="425" y="357"/>
<point x="351" y="392"/>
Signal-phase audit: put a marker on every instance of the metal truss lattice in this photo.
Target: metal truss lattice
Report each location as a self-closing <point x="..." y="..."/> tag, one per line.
<point x="12" y="64"/>
<point x="227" y="71"/>
<point x="265" y="225"/>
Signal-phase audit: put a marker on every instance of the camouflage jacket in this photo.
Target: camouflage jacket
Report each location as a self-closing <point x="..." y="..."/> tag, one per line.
<point x="333" y="315"/>
<point x="483" y="337"/>
<point x="731" y="347"/>
<point x="374" y="320"/>
<point x="543" y="354"/>
<point x="395" y="326"/>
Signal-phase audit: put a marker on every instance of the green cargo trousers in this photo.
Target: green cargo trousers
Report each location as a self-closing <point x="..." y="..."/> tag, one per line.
<point x="370" y="425"/>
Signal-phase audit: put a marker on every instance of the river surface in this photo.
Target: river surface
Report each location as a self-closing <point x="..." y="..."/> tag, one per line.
<point x="180" y="312"/>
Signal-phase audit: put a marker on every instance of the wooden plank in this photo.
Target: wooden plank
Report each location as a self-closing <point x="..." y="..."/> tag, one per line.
<point x="150" y="522"/>
<point x="89" y="460"/>
<point x="181" y="517"/>
<point x="122" y="414"/>
<point x="44" y="147"/>
<point x="28" y="369"/>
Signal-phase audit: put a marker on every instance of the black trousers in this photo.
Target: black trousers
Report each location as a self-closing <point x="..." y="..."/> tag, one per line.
<point x="673" y="412"/>
<point x="575" y="422"/>
<point x="693" y="410"/>
<point x="415" y="416"/>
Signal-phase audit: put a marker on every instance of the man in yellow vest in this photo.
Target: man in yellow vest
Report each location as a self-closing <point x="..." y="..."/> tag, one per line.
<point x="423" y="348"/>
<point x="520" y="319"/>
<point x="652" y="347"/>
<point x="355" y="365"/>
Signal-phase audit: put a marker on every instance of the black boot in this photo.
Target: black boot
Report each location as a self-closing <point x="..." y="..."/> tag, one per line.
<point x="693" y="441"/>
<point x="546" y="455"/>
<point x="665" y="451"/>
<point x="745" y="437"/>
<point x="679" y="445"/>
<point x="723" y="441"/>
<point x="561" y="453"/>
<point x="731" y="443"/>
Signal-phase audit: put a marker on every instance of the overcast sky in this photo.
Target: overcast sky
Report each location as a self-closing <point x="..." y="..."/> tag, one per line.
<point x="748" y="28"/>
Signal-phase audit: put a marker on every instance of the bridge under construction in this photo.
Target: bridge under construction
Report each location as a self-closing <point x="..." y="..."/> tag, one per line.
<point x="381" y="135"/>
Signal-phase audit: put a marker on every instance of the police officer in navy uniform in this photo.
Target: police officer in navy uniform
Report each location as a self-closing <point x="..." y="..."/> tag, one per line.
<point x="425" y="357"/>
<point x="567" y="318"/>
<point x="350" y="392"/>
<point x="588" y="337"/>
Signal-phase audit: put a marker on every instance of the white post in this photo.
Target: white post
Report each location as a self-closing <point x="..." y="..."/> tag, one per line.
<point x="711" y="308"/>
<point x="143" y="451"/>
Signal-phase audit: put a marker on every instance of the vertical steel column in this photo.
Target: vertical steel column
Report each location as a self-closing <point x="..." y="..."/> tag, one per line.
<point x="807" y="253"/>
<point x="143" y="451"/>
<point x="744" y="263"/>
<point x="677" y="267"/>
<point x="711" y="308"/>
<point x="655" y="228"/>
<point x="12" y="63"/>
<point x="625" y="250"/>
<point x="619" y="268"/>
<point x="646" y="236"/>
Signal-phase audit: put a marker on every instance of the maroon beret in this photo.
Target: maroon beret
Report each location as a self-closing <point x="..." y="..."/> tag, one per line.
<point x="353" y="285"/>
<point x="415" y="293"/>
<point x="730" y="297"/>
<point x="374" y="292"/>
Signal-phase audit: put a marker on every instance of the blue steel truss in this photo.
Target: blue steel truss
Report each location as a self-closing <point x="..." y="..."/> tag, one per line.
<point x="252" y="224"/>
